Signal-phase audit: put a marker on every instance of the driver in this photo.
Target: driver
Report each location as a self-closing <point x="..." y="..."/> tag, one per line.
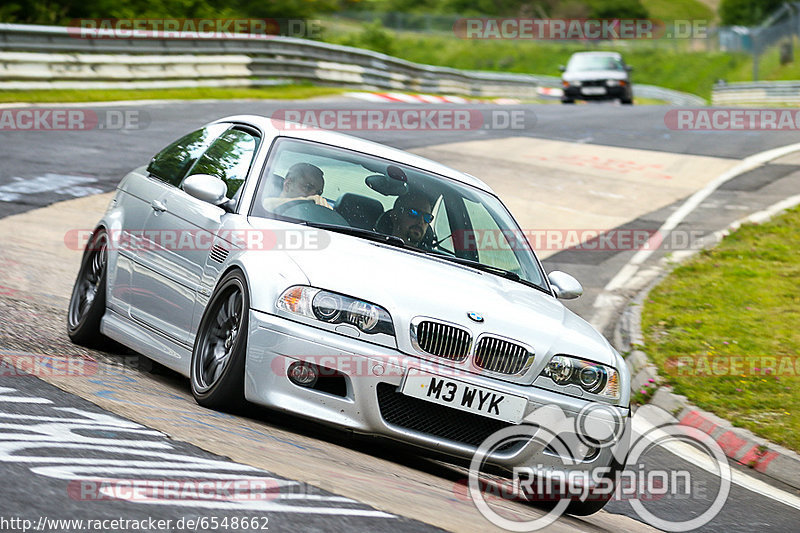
<point x="411" y="217"/>
<point x="304" y="181"/>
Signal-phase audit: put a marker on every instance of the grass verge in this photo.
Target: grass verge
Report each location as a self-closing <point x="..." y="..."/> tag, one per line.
<point x="692" y="72"/>
<point x="675" y="64"/>
<point x="282" y="92"/>
<point x="724" y="329"/>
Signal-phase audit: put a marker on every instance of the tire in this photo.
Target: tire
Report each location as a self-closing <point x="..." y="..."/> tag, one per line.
<point x="87" y="305"/>
<point x="567" y="101"/>
<point x="627" y="102"/>
<point x="218" y="356"/>
<point x="592" y="505"/>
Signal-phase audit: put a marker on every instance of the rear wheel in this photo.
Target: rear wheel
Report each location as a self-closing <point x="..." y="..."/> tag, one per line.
<point x="217" y="368"/>
<point x="88" y="301"/>
<point x="567" y="101"/>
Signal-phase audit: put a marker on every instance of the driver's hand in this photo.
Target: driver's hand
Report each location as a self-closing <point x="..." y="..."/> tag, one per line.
<point x="319" y="200"/>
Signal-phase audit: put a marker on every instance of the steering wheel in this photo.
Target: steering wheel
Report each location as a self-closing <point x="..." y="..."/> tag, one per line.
<point x="281" y="209"/>
<point x="309" y="211"/>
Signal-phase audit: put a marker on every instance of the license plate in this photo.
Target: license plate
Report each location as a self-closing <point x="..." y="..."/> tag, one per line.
<point x="465" y="396"/>
<point x="593" y="90"/>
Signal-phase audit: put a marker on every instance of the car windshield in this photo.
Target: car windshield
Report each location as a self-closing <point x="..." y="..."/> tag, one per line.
<point x="370" y="197"/>
<point x="580" y="63"/>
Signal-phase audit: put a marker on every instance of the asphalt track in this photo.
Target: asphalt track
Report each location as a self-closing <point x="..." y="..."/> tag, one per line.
<point x="41" y="168"/>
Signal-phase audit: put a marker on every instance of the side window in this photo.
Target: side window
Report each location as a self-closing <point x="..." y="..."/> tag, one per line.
<point x="441" y="226"/>
<point x="492" y="245"/>
<point x="171" y="163"/>
<point x="229" y="158"/>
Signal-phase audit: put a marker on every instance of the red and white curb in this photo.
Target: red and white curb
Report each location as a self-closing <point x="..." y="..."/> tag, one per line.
<point x="740" y="445"/>
<point x="404" y="98"/>
<point x="551" y="92"/>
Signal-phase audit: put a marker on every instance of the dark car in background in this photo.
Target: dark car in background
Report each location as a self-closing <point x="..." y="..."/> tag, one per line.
<point x="596" y="76"/>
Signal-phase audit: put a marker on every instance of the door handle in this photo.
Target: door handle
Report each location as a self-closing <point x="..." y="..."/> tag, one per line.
<point x="158" y="206"/>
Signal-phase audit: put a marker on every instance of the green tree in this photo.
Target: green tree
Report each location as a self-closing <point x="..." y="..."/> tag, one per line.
<point x="62" y="11"/>
<point x="746" y="12"/>
<point x="373" y="36"/>
<point x="617" y="9"/>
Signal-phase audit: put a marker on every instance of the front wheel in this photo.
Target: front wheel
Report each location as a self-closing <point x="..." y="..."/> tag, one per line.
<point x="88" y="301"/>
<point x="596" y="501"/>
<point x="217" y="368"/>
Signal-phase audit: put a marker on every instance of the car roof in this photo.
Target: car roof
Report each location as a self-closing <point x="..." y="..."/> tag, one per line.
<point x="278" y="127"/>
<point x="609" y="54"/>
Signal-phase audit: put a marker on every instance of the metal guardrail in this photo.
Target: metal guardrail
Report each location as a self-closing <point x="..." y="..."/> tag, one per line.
<point x="642" y="90"/>
<point x="40" y="57"/>
<point x="757" y="93"/>
<point x="668" y="95"/>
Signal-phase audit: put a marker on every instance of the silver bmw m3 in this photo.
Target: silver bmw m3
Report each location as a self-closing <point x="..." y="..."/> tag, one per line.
<point x="349" y="283"/>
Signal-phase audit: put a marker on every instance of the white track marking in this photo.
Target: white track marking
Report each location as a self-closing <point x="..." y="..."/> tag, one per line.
<point x="19" y="399"/>
<point x="693" y="455"/>
<point x="627" y="272"/>
<point x="23" y="443"/>
<point x="56" y="183"/>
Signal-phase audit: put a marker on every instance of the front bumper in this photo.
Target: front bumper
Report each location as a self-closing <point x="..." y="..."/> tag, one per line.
<point x="370" y="402"/>
<point x="611" y="93"/>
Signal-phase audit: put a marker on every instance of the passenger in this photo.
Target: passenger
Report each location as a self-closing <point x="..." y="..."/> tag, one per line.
<point x="411" y="217"/>
<point x="304" y="181"/>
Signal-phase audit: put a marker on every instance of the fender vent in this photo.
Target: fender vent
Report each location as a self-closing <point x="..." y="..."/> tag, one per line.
<point x="218" y="254"/>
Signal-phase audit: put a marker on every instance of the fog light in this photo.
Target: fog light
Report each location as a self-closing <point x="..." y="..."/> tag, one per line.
<point x="302" y="374"/>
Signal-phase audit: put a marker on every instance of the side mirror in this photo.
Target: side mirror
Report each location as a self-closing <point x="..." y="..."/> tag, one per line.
<point x="629" y="68"/>
<point x="562" y="68"/>
<point x="565" y="286"/>
<point x="207" y="188"/>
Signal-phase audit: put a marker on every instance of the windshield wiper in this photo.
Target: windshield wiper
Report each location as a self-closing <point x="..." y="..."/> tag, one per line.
<point x="513" y="276"/>
<point x="360" y="232"/>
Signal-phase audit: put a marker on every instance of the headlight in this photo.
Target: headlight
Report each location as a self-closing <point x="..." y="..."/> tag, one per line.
<point x="334" y="308"/>
<point x="614" y="83"/>
<point x="594" y="378"/>
<point x="574" y="83"/>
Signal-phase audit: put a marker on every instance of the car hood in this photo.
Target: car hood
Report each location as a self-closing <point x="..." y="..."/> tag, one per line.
<point x="595" y="75"/>
<point x="409" y="285"/>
